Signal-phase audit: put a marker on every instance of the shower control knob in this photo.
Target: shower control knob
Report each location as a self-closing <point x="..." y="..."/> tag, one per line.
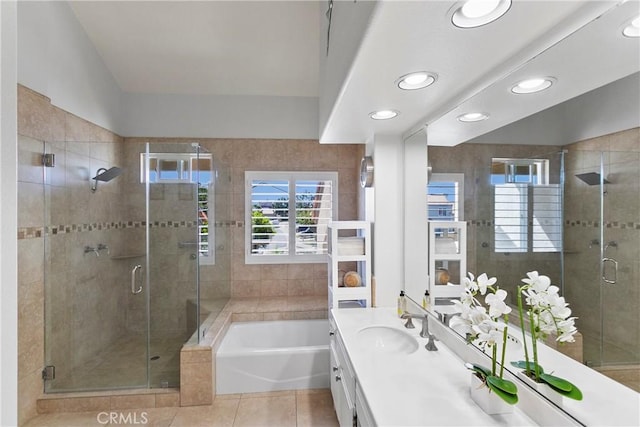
<point x="331" y="333"/>
<point x="335" y="369"/>
<point x="338" y="378"/>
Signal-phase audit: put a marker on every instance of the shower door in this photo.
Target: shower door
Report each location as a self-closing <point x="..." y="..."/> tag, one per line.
<point x="602" y="268"/>
<point x="620" y="260"/>
<point x="95" y="327"/>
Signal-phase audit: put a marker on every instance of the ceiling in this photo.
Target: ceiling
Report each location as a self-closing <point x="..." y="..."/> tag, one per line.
<point x="272" y="48"/>
<point x="578" y="42"/>
<point x="266" y="48"/>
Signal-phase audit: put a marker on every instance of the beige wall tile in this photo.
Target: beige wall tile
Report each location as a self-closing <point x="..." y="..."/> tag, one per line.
<point x="195" y="355"/>
<point x="245" y="288"/>
<point x="195" y="387"/>
<point x="247" y="317"/>
<point x="29" y="390"/>
<point x="167" y="400"/>
<point x="34" y="114"/>
<point x="132" y="402"/>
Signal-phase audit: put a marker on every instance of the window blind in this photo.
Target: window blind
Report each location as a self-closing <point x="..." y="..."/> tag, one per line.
<point x="510" y="217"/>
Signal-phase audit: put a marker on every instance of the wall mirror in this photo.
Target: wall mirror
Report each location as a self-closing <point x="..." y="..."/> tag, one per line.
<point x="571" y="248"/>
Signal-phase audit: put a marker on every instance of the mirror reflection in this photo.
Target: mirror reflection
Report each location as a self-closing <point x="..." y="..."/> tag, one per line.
<point x="567" y="207"/>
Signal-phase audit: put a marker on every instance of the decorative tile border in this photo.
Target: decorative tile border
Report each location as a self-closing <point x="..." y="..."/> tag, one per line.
<point x="38" y="232"/>
<point x="568" y="223"/>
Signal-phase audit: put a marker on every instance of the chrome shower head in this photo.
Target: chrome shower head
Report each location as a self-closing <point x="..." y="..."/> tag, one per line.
<point x="105" y="175"/>
<point x="591" y="178"/>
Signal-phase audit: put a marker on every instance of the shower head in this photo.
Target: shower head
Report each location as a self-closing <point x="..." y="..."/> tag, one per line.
<point x="105" y="175"/>
<point x="591" y="178"/>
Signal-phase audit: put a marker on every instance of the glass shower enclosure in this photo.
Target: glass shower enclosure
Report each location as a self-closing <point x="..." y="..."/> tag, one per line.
<point x="573" y="215"/>
<point x="123" y="252"/>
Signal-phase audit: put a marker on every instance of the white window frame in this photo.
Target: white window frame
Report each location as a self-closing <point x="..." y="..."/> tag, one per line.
<point x="538" y="226"/>
<point x="458" y="178"/>
<point x="188" y="175"/>
<point x="291" y="177"/>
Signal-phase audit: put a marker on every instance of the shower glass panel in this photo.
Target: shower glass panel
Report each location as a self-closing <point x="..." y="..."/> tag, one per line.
<point x="603" y="278"/>
<point x="94" y="337"/>
<point x="620" y="260"/>
<point x="521" y="198"/>
<point x="171" y="172"/>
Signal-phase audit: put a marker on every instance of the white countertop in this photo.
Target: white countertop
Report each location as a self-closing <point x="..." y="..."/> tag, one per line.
<point x="432" y="388"/>
<point x="418" y="389"/>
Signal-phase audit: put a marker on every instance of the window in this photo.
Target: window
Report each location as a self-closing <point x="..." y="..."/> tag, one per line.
<point x="287" y="214"/>
<point x="187" y="168"/>
<point x="527" y="209"/>
<point x="445" y="199"/>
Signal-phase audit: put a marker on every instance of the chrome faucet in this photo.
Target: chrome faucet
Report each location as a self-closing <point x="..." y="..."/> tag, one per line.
<point x="424" y="333"/>
<point x="89" y="249"/>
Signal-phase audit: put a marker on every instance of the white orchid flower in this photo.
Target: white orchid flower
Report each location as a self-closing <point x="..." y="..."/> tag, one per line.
<point x="484" y="282"/>
<point x="566" y="330"/>
<point x="497" y="306"/>
<point x="487" y="333"/>
<point x="538" y="282"/>
<point x="461" y="325"/>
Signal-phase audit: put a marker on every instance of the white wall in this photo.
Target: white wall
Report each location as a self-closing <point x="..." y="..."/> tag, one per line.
<point x="350" y="20"/>
<point x="608" y="109"/>
<point x="416" y="269"/>
<point x="8" y="217"/>
<point x="388" y="252"/>
<point x="57" y="59"/>
<point x="220" y="116"/>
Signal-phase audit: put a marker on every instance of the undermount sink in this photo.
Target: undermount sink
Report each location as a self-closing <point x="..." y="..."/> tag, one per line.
<point x="386" y="339"/>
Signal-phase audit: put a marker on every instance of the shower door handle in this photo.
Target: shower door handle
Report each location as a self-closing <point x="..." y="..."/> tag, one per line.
<point x="615" y="271"/>
<point x="134" y="275"/>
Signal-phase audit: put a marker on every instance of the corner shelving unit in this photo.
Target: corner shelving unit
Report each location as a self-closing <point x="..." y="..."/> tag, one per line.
<point x="448" y="252"/>
<point x="349" y="251"/>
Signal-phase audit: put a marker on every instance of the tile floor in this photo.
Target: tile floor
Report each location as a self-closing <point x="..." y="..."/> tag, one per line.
<point x="296" y="408"/>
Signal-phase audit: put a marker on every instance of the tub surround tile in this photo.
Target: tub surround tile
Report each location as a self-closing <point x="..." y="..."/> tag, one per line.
<point x="247" y="317"/>
<point x="196" y="383"/>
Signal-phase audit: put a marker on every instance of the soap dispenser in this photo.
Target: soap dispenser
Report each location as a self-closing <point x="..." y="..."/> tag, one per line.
<point x="426" y="300"/>
<point x="402" y="304"/>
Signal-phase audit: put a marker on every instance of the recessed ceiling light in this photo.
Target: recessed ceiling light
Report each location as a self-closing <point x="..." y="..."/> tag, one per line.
<point x="417" y="80"/>
<point x="473" y="117"/>
<point x="533" y="85"/>
<point x="383" y="114"/>
<point x="633" y="29"/>
<point x="475" y="13"/>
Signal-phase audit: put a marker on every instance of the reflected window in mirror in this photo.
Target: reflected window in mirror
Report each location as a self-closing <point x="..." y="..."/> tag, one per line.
<point x="527" y="209"/>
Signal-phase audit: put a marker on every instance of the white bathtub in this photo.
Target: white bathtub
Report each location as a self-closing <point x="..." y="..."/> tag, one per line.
<point x="273" y="355"/>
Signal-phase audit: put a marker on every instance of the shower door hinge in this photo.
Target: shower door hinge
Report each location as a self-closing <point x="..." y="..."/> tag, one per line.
<point x="49" y="160"/>
<point x="49" y="373"/>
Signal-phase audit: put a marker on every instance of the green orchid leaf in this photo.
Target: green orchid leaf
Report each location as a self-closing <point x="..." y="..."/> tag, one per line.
<point x="523" y="365"/>
<point x="562" y="386"/>
<point x="504" y="385"/>
<point x="557" y="382"/>
<point x="510" y="398"/>
<point x="484" y="372"/>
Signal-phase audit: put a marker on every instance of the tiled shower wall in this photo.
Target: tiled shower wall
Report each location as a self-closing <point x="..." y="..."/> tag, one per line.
<point x="474" y="160"/>
<point x="113" y="217"/>
<point x="239" y="155"/>
<point x="67" y="183"/>
<point x="621" y="224"/>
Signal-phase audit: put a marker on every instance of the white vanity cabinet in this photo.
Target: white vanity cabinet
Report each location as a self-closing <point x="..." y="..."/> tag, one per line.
<point x="343" y="381"/>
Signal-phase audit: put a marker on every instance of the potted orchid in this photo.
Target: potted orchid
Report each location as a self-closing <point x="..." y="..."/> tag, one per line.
<point x="547" y="313"/>
<point x="487" y="326"/>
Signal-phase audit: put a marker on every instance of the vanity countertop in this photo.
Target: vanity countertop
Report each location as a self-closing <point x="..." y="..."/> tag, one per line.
<point x="417" y="389"/>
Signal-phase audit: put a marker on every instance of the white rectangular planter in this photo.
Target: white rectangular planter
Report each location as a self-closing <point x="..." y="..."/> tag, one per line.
<point x="491" y="403"/>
